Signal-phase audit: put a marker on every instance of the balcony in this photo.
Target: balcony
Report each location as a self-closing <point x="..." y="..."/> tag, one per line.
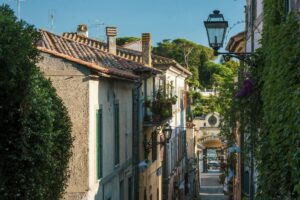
<point x="158" y="114"/>
<point x="159" y="110"/>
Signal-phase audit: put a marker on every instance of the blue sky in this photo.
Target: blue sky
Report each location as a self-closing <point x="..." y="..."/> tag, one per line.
<point x="164" y="19"/>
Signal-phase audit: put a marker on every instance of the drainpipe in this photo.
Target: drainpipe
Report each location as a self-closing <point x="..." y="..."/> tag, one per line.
<point x="165" y="178"/>
<point x="253" y="17"/>
<point x="135" y="136"/>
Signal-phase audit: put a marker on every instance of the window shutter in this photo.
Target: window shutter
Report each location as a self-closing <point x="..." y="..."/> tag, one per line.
<point x="117" y="133"/>
<point x="99" y="146"/>
<point x="154" y="145"/>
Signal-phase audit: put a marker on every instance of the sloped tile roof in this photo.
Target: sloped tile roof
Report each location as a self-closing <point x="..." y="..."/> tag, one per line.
<point x="128" y="54"/>
<point x="90" y="56"/>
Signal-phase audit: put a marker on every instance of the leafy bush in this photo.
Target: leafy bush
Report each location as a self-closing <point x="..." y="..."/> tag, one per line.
<point x="35" y="127"/>
<point x="269" y="115"/>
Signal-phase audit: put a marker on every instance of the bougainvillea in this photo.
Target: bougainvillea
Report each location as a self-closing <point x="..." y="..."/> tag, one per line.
<point x="246" y="89"/>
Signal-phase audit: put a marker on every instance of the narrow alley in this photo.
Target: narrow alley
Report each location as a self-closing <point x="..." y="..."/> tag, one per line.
<point x="210" y="187"/>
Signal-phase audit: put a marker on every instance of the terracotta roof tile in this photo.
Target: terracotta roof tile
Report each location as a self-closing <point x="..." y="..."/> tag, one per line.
<point x="128" y="54"/>
<point x="90" y="56"/>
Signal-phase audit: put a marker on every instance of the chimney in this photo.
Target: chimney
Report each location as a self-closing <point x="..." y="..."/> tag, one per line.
<point x="111" y="34"/>
<point x="146" y="49"/>
<point x="82" y="30"/>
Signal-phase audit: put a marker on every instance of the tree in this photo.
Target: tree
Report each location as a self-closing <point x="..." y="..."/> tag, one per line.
<point x="205" y="72"/>
<point x="35" y="127"/>
<point x="186" y="53"/>
<point x="124" y="40"/>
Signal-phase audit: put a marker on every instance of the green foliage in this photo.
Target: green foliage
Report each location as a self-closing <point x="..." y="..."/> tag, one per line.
<point x="206" y="73"/>
<point x="223" y="80"/>
<point x="35" y="128"/>
<point x="124" y="40"/>
<point x="280" y="92"/>
<point x="161" y="105"/>
<point x="187" y="54"/>
<point x="269" y="116"/>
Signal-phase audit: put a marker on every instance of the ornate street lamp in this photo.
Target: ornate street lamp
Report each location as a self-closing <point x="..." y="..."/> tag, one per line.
<point x="167" y="131"/>
<point x="216" y="27"/>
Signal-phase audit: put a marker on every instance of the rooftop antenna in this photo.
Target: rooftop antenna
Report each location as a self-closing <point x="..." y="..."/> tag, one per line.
<point x="19" y="8"/>
<point x="51" y="19"/>
<point x="97" y="24"/>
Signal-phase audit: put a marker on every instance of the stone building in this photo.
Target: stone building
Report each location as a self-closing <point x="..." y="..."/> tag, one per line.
<point x="172" y="81"/>
<point x="97" y="87"/>
<point x="207" y="137"/>
<point x="148" y="132"/>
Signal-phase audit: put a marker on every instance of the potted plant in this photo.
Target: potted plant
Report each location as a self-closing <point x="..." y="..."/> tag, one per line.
<point x="173" y="99"/>
<point x="147" y="103"/>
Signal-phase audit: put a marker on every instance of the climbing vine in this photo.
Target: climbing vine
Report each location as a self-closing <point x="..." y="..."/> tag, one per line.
<point x="269" y="113"/>
<point x="279" y="152"/>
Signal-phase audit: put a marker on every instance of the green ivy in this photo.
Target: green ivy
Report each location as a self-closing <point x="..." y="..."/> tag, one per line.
<point x="269" y="116"/>
<point x="279" y="155"/>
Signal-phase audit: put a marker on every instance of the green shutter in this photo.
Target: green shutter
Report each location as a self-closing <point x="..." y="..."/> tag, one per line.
<point x="154" y="145"/>
<point x="117" y="133"/>
<point x="99" y="150"/>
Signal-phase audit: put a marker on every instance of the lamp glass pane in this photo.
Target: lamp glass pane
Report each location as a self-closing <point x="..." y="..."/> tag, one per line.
<point x="168" y="134"/>
<point x="216" y="33"/>
<point x="215" y="36"/>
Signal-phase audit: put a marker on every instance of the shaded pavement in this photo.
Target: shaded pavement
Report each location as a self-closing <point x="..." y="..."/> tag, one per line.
<point x="210" y="188"/>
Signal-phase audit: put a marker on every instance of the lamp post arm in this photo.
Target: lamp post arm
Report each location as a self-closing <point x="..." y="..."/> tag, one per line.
<point x="245" y="57"/>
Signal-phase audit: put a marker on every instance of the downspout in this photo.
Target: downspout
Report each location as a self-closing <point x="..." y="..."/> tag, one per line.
<point x="135" y="136"/>
<point x="253" y="17"/>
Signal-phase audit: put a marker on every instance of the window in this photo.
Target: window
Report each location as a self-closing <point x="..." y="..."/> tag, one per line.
<point x="121" y="192"/>
<point x="129" y="188"/>
<point x="154" y="146"/>
<point x="253" y="12"/>
<point x="246" y="185"/>
<point x="287" y="6"/>
<point x="117" y="132"/>
<point x="99" y="146"/>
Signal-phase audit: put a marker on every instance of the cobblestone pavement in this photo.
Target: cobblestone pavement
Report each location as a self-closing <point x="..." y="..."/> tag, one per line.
<point x="210" y="188"/>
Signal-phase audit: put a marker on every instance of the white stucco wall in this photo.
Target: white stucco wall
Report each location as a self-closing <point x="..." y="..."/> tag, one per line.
<point x="103" y="93"/>
<point x="258" y="25"/>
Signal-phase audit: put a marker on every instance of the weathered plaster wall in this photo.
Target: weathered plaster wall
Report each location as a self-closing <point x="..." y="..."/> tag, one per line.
<point x="190" y="139"/>
<point x="71" y="83"/>
<point x="149" y="180"/>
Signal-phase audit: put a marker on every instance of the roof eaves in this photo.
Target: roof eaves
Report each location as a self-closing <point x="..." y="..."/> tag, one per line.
<point x="93" y="66"/>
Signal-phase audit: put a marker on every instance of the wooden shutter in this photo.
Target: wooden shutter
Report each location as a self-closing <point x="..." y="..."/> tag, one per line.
<point x="154" y="145"/>
<point x="99" y="146"/>
<point x="117" y="133"/>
